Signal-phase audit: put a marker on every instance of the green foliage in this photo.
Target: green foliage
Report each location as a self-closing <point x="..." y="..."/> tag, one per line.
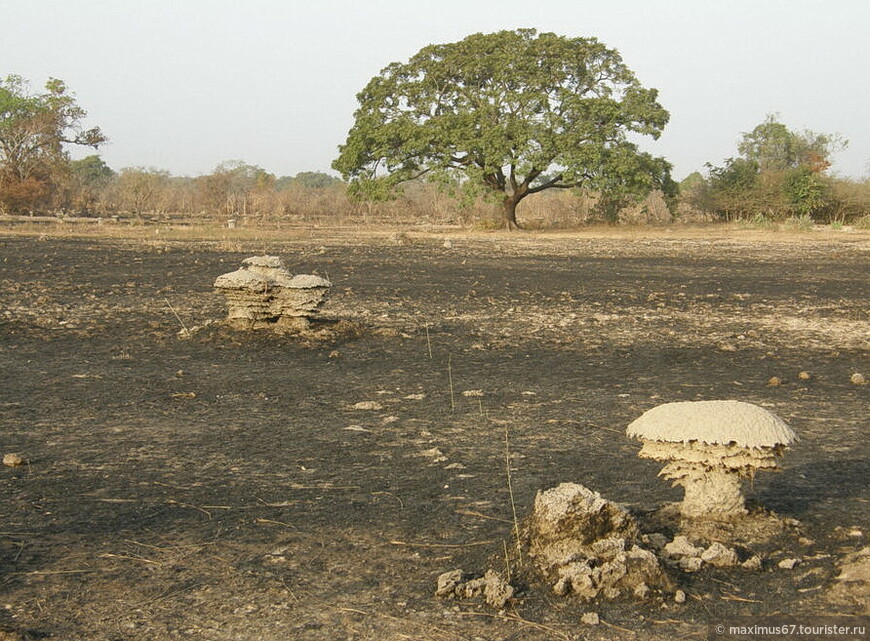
<point x="316" y="180"/>
<point x="33" y="131"/>
<point x="805" y="191"/>
<point x="308" y="180"/>
<point x="91" y="171"/>
<point x="513" y="112"/>
<point x="731" y="189"/>
<point x="774" y="147"/>
<point x="779" y="174"/>
<point x="692" y="182"/>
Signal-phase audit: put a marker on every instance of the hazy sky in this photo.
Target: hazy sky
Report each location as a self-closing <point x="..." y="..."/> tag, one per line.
<point x="183" y="85"/>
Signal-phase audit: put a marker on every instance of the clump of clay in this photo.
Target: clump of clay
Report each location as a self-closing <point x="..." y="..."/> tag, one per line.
<point x="688" y="557"/>
<point x="494" y="589"/>
<point x="710" y="447"/>
<point x="263" y="293"/>
<point x="13" y="459"/>
<point x="586" y="545"/>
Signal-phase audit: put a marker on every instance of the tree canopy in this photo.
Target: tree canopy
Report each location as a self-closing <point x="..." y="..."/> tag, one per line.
<point x="515" y="112"/>
<point x="774" y="147"/>
<point x="779" y="172"/>
<point x="33" y="131"/>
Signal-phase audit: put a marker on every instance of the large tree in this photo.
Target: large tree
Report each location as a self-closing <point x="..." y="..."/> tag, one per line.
<point x="33" y="131"/>
<point x="775" y="147"/>
<point x="516" y="112"/>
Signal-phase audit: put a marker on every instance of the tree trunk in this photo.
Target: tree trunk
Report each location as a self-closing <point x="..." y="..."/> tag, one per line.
<point x="509" y="209"/>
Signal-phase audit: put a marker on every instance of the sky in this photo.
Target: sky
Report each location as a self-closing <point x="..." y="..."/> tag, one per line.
<point x="183" y="85"/>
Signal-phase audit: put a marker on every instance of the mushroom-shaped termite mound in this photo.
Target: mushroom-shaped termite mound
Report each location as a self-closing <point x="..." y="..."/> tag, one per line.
<point x="262" y="293"/>
<point x="710" y="447"/>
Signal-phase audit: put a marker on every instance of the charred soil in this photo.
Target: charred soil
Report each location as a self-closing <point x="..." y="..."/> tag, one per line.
<point x="253" y="485"/>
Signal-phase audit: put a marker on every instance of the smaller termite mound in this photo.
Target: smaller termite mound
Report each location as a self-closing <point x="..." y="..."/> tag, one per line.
<point x="710" y="447"/>
<point x="585" y="545"/>
<point x="263" y="293"/>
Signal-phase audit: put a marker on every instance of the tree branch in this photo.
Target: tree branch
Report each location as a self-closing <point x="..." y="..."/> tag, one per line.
<point x="552" y="184"/>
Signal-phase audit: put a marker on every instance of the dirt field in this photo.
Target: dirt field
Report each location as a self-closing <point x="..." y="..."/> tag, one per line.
<point x="224" y="487"/>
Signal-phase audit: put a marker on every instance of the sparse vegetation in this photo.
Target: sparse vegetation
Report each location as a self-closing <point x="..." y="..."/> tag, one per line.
<point x="779" y="180"/>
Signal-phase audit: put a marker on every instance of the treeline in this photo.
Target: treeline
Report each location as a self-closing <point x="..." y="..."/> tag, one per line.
<point x="778" y="175"/>
<point x="233" y="190"/>
<point x="248" y="193"/>
<point x="767" y="183"/>
<point x="752" y="187"/>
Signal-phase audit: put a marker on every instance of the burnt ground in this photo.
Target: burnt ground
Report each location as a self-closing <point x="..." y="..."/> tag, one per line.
<point x="224" y="487"/>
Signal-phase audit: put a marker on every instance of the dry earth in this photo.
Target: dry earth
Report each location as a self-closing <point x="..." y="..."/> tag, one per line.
<point x="252" y="486"/>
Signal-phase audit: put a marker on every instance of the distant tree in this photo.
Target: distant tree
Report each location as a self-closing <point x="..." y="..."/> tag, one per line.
<point x="316" y="179"/>
<point x="33" y="131"/>
<point x="774" y="147"/>
<point x="90" y="177"/>
<point x="140" y="188"/>
<point x="229" y="188"/>
<point x="779" y="173"/>
<point x="513" y="112"/>
<point x="691" y="182"/>
<point x="309" y="179"/>
<point x="284" y="182"/>
<point x="92" y="171"/>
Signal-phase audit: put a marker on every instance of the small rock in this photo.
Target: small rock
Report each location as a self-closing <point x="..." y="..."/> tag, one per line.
<point x="590" y="618"/>
<point x="774" y="381"/>
<point x="497" y="592"/>
<point x="858" y="379"/>
<point x="473" y="392"/>
<point x="804" y="375"/>
<point x="436" y="455"/>
<point x="855" y="533"/>
<point x="641" y="591"/>
<point x="719" y="556"/>
<point x="681" y="546"/>
<point x="788" y="564"/>
<point x="448" y="244"/>
<point x="656" y="540"/>
<point x="679" y="596"/>
<point x="448" y="582"/>
<point x="368" y="405"/>
<point x="752" y="563"/>
<point x="690" y="563"/>
<point x="13" y="459"/>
